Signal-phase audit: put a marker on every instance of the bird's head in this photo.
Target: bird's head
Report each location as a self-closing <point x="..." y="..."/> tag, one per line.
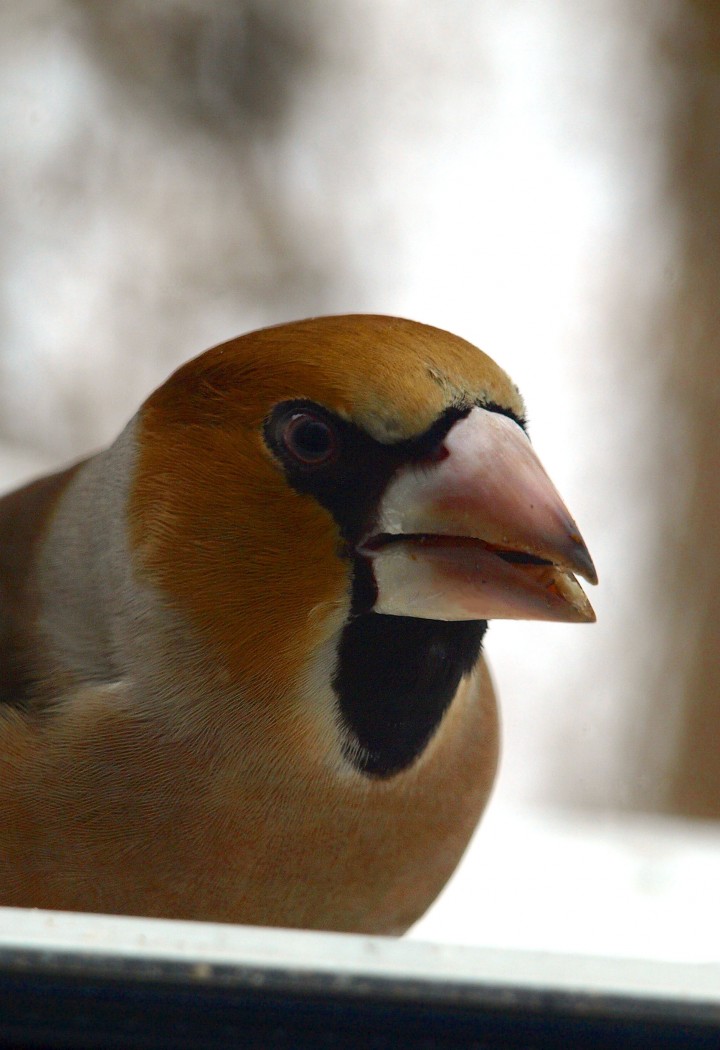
<point x="308" y="474"/>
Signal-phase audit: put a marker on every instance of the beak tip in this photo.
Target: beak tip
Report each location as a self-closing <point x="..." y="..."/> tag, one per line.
<point x="582" y="562"/>
<point x="584" y="612"/>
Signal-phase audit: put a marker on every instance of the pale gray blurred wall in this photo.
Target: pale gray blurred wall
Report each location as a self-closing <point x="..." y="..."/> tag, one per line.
<point x="148" y="208"/>
<point x="688" y="551"/>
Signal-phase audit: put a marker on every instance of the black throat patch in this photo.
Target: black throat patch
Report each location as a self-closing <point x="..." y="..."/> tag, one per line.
<point x="395" y="679"/>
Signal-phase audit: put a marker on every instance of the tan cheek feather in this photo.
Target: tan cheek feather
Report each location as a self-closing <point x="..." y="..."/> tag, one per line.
<point x="220" y="540"/>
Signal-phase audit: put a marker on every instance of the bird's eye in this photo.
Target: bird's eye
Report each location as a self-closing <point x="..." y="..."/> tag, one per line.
<point x="309" y="439"/>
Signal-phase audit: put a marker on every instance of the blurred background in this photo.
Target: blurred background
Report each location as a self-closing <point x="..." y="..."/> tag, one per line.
<point x="542" y="178"/>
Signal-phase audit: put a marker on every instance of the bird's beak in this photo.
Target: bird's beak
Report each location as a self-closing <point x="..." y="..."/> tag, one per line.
<point x="478" y="533"/>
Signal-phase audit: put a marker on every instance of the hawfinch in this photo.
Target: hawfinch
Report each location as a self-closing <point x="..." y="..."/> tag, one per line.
<point x="241" y="673"/>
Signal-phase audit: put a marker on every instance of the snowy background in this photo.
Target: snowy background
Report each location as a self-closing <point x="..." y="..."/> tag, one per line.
<point x="177" y="173"/>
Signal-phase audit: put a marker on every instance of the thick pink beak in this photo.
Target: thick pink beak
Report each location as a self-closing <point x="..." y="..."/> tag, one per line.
<point x="479" y="533"/>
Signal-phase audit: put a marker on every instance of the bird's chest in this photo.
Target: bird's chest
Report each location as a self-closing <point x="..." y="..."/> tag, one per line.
<point x="144" y="826"/>
<point x="319" y="847"/>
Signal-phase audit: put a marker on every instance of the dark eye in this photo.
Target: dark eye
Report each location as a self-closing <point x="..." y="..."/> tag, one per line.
<point x="309" y="439"/>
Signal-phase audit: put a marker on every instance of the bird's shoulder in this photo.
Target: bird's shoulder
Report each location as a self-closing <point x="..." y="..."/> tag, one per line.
<point x="24" y="516"/>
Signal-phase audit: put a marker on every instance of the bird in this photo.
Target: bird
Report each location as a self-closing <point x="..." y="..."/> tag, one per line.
<point x="242" y="675"/>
